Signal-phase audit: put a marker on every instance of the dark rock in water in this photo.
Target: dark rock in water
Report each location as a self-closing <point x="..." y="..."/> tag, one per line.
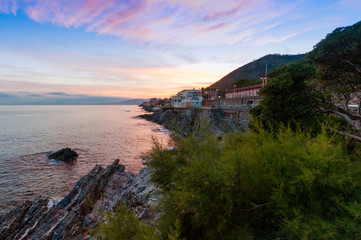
<point x="65" y="155"/>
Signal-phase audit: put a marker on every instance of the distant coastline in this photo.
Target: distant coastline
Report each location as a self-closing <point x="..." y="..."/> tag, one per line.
<point x="64" y="99"/>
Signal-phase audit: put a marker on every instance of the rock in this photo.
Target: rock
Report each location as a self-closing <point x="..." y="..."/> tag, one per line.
<point x="65" y="155"/>
<point x="130" y="198"/>
<point x="98" y="191"/>
<point x="23" y="219"/>
<point x="53" y="202"/>
<point x="142" y="212"/>
<point x="89" y="221"/>
<point x="198" y="121"/>
<point x="63" y="221"/>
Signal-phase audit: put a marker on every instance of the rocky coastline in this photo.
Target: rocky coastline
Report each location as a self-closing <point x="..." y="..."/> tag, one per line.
<point x="102" y="189"/>
<point x="195" y="121"/>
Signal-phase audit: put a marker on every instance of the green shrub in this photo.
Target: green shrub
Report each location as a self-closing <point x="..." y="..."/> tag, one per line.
<point x="260" y="185"/>
<point x="124" y="225"/>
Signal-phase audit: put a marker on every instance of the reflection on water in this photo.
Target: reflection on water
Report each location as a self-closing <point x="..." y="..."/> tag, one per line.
<point x="99" y="134"/>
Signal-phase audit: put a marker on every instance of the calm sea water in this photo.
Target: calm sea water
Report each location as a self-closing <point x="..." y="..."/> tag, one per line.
<point x="99" y="134"/>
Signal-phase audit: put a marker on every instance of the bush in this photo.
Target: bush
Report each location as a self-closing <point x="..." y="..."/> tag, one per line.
<point x="260" y="186"/>
<point x="124" y="225"/>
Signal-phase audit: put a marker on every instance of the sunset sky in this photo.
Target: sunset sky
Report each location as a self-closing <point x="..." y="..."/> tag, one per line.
<point x="149" y="48"/>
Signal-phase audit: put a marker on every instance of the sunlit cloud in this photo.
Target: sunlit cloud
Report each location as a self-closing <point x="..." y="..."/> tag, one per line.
<point x="182" y="22"/>
<point x="115" y="81"/>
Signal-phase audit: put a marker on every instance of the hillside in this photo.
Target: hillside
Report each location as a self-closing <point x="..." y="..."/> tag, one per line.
<point x="255" y="69"/>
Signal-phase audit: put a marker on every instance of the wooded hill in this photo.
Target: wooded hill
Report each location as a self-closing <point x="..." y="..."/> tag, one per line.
<point x="255" y="69"/>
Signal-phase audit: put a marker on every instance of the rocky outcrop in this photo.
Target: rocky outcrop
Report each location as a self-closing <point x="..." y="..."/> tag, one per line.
<point x="100" y="190"/>
<point x="65" y="155"/>
<point x="149" y="108"/>
<point x="194" y="121"/>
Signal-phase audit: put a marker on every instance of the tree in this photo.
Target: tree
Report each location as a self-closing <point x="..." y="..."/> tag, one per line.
<point x="287" y="99"/>
<point x="338" y="62"/>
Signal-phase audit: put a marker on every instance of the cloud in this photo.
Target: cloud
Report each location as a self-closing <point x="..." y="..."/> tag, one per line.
<point x="5" y="95"/>
<point x="58" y="94"/>
<point x="229" y="13"/>
<point x="277" y="39"/>
<point x="31" y="94"/>
<point x="182" y="22"/>
<point x="8" y="6"/>
<point x="113" y="80"/>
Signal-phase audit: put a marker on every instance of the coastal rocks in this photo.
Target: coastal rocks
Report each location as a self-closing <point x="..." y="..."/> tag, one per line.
<point x="18" y="222"/>
<point x="36" y="221"/>
<point x="65" y="155"/>
<point x="195" y="121"/>
<point x="149" y="108"/>
<point x="135" y="191"/>
<point x="102" y="189"/>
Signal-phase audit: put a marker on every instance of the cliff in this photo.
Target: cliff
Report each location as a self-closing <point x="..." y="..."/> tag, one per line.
<point x="102" y="189"/>
<point x="198" y="121"/>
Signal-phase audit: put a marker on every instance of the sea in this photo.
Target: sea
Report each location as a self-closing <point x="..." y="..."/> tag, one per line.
<point x="98" y="133"/>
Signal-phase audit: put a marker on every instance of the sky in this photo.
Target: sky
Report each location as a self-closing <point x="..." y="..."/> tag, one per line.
<point x="115" y="49"/>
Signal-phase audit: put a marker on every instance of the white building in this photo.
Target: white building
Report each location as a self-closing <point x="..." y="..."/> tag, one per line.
<point x="187" y="98"/>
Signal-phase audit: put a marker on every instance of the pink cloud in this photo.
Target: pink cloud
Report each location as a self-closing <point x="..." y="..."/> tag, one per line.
<point x="222" y="14"/>
<point x="161" y="21"/>
<point x="8" y="6"/>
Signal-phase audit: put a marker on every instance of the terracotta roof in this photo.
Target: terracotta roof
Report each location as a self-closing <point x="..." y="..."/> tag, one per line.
<point x="246" y="88"/>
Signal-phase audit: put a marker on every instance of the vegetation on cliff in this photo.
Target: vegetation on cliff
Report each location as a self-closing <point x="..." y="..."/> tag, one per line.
<point x="254" y="70"/>
<point x="243" y="82"/>
<point x="261" y="185"/>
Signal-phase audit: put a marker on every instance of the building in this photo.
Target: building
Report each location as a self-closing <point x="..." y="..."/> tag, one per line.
<point x="153" y="102"/>
<point x="210" y="94"/>
<point x="249" y="91"/>
<point x="354" y="110"/>
<point x="187" y="98"/>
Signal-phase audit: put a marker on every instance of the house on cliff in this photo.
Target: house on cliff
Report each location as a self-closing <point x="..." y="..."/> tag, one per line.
<point x="249" y="91"/>
<point x="187" y="98"/>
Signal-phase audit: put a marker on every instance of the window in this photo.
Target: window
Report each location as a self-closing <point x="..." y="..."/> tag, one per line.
<point x="249" y="93"/>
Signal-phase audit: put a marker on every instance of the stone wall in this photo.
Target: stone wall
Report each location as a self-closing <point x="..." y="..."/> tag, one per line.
<point x="241" y="102"/>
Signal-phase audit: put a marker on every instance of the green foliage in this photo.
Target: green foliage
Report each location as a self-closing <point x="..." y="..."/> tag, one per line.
<point x="175" y="232"/>
<point x="124" y="225"/>
<point x="287" y="99"/>
<point x="338" y="62"/>
<point x="246" y="82"/>
<point x="260" y="186"/>
<point x="255" y="69"/>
